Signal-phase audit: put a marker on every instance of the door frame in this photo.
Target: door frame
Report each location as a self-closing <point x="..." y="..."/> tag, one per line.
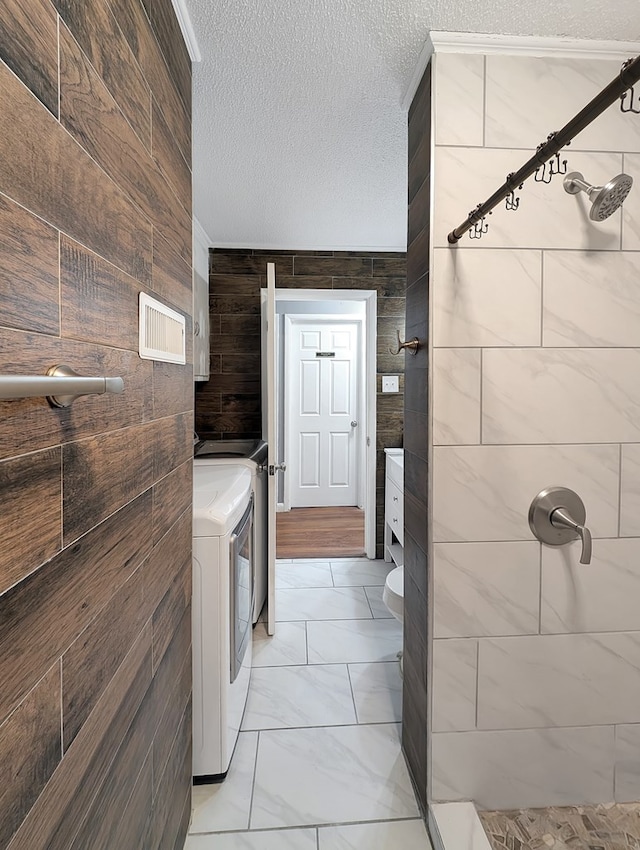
<point x="291" y="319"/>
<point x="369" y="297"/>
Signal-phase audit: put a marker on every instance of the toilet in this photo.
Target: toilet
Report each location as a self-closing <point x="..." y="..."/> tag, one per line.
<point x="393" y="598"/>
<point x="393" y="593"/>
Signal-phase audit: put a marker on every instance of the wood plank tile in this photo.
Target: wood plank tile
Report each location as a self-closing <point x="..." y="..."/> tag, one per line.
<point x="113" y="813"/>
<point x="30" y="750"/>
<point x="172" y="443"/>
<point x="420" y="114"/>
<point x="101" y="474"/>
<point x="391" y="307"/>
<point x="184" y="823"/>
<point x="93" y="658"/>
<point x="419" y="212"/>
<point x="136" y="28"/>
<point x="169" y="159"/>
<point x="31" y="488"/>
<point x="390" y="267"/>
<point x="30" y="424"/>
<point x="29" y="46"/>
<point x="60" y="809"/>
<point x="100" y="302"/>
<point x="238" y="325"/>
<point x="175" y="708"/>
<point x="418" y="257"/>
<point x="90" y="114"/>
<point x="45" y="170"/>
<point x="415" y="520"/>
<point x="95" y="29"/>
<point x="333" y="266"/>
<point x="234" y="304"/>
<point x="248" y="280"/>
<point x="419" y="167"/>
<point x="241" y="364"/>
<point x="172" y="388"/>
<point x="386" y="287"/>
<point x="171" y="275"/>
<point x="167" y="809"/>
<point x="247" y="264"/>
<point x="132" y="826"/>
<point x="170" y="611"/>
<point x="171" y="498"/>
<point x="28" y="270"/>
<point x="300" y="281"/>
<point x="166" y="562"/>
<point x="42" y="615"/>
<point x="167" y="30"/>
<point x="238" y="423"/>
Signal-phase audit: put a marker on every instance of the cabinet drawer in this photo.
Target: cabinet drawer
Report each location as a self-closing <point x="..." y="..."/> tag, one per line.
<point x="394" y="509"/>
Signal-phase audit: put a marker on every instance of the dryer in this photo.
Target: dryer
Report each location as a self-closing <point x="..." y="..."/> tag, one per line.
<point x="223" y="542"/>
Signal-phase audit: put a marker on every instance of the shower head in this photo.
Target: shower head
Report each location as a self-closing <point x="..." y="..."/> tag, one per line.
<point x="606" y="199"/>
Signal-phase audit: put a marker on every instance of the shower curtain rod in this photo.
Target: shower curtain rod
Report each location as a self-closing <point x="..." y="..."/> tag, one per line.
<point x="629" y="74"/>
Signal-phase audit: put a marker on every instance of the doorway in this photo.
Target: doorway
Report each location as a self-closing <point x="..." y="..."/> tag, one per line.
<point x="325" y="382"/>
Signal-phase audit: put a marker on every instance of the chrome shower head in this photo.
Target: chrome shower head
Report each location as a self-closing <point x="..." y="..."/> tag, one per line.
<point x="606" y="199"/>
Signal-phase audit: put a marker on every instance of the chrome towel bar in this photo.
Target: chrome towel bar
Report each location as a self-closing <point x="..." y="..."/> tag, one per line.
<point x="61" y="386"/>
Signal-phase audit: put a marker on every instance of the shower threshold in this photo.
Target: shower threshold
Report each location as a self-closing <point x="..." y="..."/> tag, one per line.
<point x="613" y="826"/>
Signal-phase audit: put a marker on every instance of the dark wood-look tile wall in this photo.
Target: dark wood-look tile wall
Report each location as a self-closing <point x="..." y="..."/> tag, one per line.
<point x="415" y="691"/>
<point x="229" y="405"/>
<point x="95" y="569"/>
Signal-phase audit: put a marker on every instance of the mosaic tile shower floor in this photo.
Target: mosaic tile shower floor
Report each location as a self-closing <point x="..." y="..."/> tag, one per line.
<point x="607" y="827"/>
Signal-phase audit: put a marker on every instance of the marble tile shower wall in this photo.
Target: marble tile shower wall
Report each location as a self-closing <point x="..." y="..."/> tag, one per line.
<point x="536" y="382"/>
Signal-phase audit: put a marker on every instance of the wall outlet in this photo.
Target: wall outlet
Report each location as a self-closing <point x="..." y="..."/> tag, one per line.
<point x="390" y="384"/>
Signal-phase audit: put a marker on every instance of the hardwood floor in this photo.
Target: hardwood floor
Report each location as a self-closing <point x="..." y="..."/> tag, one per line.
<point x="320" y="532"/>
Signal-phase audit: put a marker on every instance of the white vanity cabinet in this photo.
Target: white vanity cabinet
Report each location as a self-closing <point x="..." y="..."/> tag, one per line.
<point x="394" y="506"/>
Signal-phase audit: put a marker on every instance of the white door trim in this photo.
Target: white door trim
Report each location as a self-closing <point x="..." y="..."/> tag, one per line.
<point x="368" y="389"/>
<point x="291" y="319"/>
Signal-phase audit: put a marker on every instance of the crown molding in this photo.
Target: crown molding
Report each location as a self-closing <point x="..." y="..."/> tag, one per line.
<point x="422" y="61"/>
<point x="188" y="33"/>
<point x="200" y="234"/>
<point x="514" y="45"/>
<point x="529" y="45"/>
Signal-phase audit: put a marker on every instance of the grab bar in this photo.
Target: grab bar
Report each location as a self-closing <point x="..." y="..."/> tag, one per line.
<point x="61" y="386"/>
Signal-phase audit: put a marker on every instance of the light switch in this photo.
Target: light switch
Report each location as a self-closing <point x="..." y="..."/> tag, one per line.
<point x="390" y="384"/>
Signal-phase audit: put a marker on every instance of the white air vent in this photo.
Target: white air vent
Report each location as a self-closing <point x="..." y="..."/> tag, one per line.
<point x="162" y="332"/>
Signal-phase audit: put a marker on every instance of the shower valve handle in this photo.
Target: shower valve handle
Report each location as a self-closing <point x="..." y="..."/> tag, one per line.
<point x="561" y="519"/>
<point x="556" y="516"/>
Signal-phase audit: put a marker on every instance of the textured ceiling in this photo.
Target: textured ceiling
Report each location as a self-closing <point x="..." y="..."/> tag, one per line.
<point x="299" y="133"/>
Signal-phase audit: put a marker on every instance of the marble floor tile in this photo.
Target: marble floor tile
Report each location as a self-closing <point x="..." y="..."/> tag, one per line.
<point x="378" y="608"/>
<point x="377" y="691"/>
<point x="299" y="574"/>
<point x="225" y="805"/>
<point x="275" y="839"/>
<point x="287" y="646"/>
<point x="284" y="697"/>
<point x="352" y="641"/>
<point x="459" y="826"/>
<point x="357" y="572"/>
<point x="322" y="603"/>
<point x="331" y="775"/>
<point x="389" y="835"/>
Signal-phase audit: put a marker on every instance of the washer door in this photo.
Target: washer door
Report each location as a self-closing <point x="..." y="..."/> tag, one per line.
<point x="241" y="589"/>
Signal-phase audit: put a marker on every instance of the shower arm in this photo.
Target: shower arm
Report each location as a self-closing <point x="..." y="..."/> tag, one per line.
<point x="629" y="75"/>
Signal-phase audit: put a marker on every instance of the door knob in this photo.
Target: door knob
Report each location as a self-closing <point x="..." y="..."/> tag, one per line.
<point x="556" y="516"/>
<point x="354" y="424"/>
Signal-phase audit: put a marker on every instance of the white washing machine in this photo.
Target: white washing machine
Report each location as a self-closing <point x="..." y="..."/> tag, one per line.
<point x="223" y="541"/>
<point x="253" y="455"/>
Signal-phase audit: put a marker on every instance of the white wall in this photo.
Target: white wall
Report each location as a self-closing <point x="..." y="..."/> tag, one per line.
<point x="536" y="382"/>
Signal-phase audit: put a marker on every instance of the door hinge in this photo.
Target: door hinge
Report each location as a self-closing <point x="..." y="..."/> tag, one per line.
<point x="273" y="468"/>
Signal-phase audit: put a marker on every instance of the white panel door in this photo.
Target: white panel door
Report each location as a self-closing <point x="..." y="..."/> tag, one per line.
<point x="322" y="382"/>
